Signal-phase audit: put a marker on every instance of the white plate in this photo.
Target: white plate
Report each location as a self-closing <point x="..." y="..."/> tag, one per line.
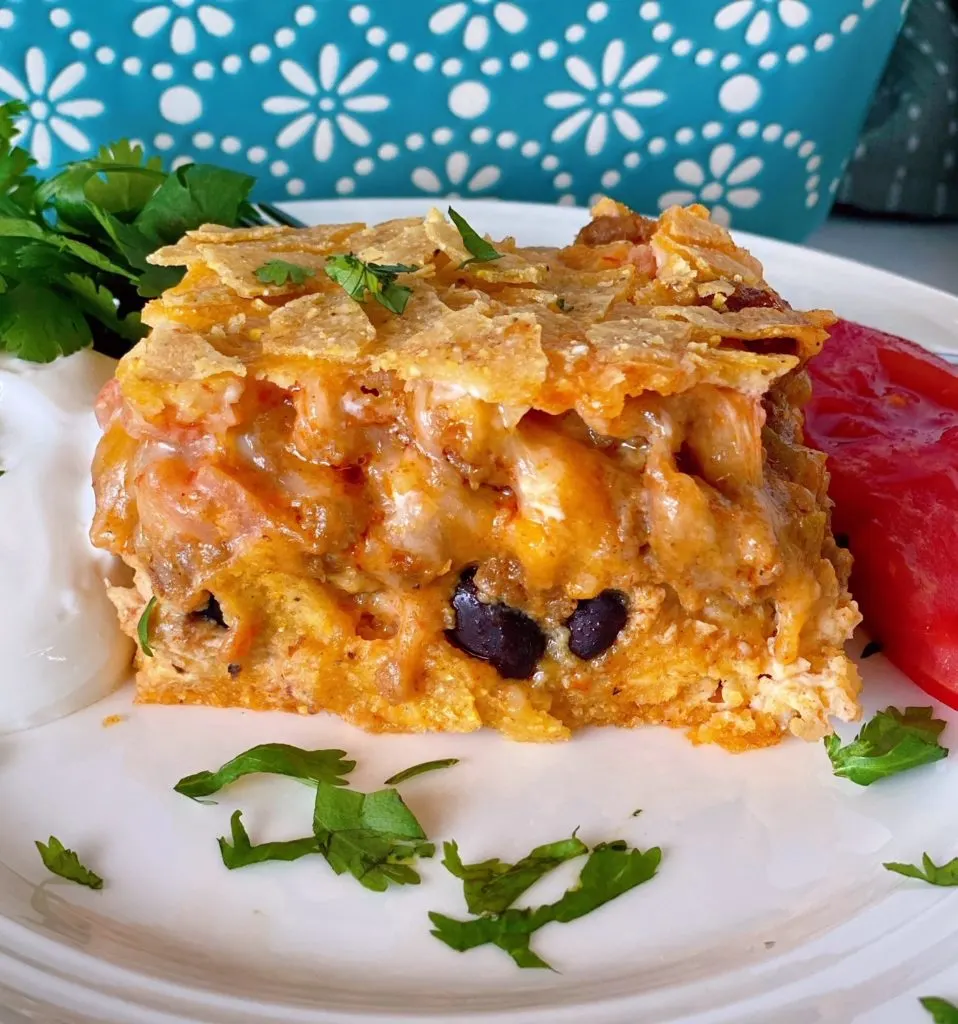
<point x="771" y="904"/>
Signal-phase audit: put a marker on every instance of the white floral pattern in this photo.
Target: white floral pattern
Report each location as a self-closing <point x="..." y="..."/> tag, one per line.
<point x="330" y="101"/>
<point x="183" y="32"/>
<point x="457" y="168"/>
<point x="719" y="185"/>
<point x="477" y="26"/>
<point x="757" y="16"/>
<point x="609" y="95"/>
<point x="48" y="107"/>
<point x="551" y="101"/>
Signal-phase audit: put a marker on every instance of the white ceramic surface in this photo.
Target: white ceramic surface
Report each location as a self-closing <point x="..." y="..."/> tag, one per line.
<point x="771" y="904"/>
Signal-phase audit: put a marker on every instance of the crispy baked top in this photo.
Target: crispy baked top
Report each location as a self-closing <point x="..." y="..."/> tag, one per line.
<point x="635" y="305"/>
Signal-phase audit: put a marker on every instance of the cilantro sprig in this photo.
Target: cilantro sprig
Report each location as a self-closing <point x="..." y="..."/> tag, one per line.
<point x="73" y="249"/>
<point x="934" y="874"/>
<point x="314" y="766"/>
<point x="611" y="870"/>
<point x="479" y="249"/>
<point x="891" y="742"/>
<point x="373" y="280"/>
<point x="65" y="863"/>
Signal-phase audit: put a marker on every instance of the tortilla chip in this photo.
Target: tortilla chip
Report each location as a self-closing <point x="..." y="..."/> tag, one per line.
<point x="497" y="359"/>
<point x="325" y="325"/>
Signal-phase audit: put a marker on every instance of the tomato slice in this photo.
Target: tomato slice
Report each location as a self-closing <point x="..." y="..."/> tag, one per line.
<point x="886" y="413"/>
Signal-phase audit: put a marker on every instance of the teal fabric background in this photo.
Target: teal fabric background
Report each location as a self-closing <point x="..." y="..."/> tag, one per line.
<point x="907" y="160"/>
<point x="751" y="106"/>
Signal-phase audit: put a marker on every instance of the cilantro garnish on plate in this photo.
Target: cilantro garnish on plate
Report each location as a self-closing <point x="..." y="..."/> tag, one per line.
<point x="892" y="742"/>
<point x="372" y="836"/>
<point x="73" y="249"/>
<point x="611" y="870"/>
<point x="492" y="886"/>
<point x="280" y="272"/>
<point x="942" y="1012"/>
<point x="934" y="874"/>
<point x="373" y="280"/>
<point x="65" y="863"/>
<point x="420" y="769"/>
<point x="480" y="250"/>
<point x="313" y="766"/>
<point x="241" y="852"/>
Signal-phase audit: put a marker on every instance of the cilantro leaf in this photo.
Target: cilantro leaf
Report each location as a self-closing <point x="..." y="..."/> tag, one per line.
<point x="891" y="742"/>
<point x="193" y="195"/>
<point x="420" y="769"/>
<point x="155" y="280"/>
<point x="97" y="301"/>
<point x="326" y="767"/>
<point x="372" y="836"/>
<point x="481" y="251"/>
<point x="38" y="324"/>
<point x="65" y="863"/>
<point x="611" y="870"/>
<point x="15" y="183"/>
<point x="125" y="178"/>
<point x="143" y="627"/>
<point x="242" y="853"/>
<point x="942" y="1012"/>
<point x="280" y="272"/>
<point x="934" y="874"/>
<point x="492" y="886"/>
<point x="376" y="280"/>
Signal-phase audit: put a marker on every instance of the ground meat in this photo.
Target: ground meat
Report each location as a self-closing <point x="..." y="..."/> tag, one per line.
<point x="745" y="297"/>
<point x="632" y="228"/>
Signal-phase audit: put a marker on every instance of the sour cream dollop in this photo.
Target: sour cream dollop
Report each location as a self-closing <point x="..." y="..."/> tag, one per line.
<point x="60" y="644"/>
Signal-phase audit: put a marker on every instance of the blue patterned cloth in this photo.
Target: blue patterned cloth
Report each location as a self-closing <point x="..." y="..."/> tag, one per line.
<point x="750" y="106"/>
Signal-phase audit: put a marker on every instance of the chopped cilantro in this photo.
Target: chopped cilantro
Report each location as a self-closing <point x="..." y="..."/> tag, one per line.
<point x="65" y="863"/>
<point x="280" y="272"/>
<point x="314" y="766"/>
<point x="420" y="769"/>
<point x="934" y="874"/>
<point x="492" y="886"/>
<point x="942" y="1012"/>
<point x="241" y="853"/>
<point x="374" y="280"/>
<point x="372" y="836"/>
<point x="891" y="742"/>
<point x="480" y="250"/>
<point x="611" y="870"/>
<point x="143" y="627"/>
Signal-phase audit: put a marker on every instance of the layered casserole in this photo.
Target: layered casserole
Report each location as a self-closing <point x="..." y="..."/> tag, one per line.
<point x="560" y="487"/>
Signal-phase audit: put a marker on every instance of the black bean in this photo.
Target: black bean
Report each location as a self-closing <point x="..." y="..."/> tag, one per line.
<point x="505" y="637"/>
<point x="596" y="623"/>
<point x="211" y="612"/>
